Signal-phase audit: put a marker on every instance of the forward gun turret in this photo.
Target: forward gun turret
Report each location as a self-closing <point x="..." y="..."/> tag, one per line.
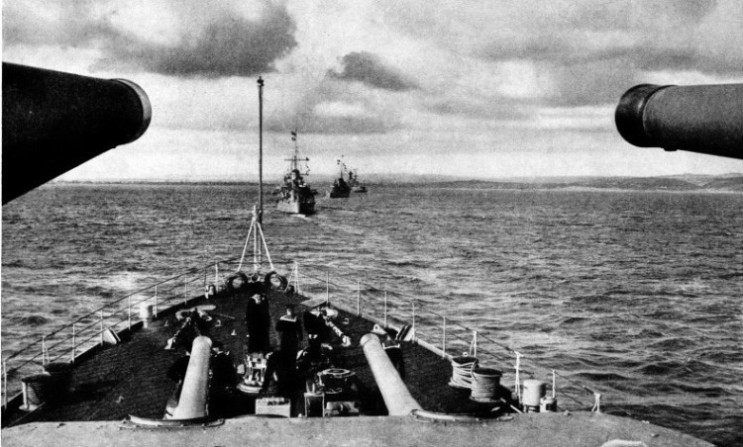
<point x="698" y="118"/>
<point x="54" y="121"/>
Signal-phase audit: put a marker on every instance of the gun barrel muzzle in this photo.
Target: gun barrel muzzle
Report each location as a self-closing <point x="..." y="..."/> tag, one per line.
<point x="55" y="121"/>
<point x="698" y="118"/>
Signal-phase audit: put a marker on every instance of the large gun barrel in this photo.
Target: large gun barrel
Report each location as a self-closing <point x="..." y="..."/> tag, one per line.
<point x="54" y="121"/>
<point x="698" y="118"/>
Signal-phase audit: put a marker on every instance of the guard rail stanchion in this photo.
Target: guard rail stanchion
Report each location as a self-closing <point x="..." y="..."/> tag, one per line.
<point x="72" y="359"/>
<point x="443" y="337"/>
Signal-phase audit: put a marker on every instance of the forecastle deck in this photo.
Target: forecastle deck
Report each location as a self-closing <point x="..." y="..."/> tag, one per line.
<point x="130" y="378"/>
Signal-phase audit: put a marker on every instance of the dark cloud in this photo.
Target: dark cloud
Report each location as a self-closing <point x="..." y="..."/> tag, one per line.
<point x="368" y="68"/>
<point x="219" y="42"/>
<point x="229" y="46"/>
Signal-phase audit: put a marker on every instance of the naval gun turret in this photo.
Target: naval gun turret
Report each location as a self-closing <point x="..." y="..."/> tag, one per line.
<point x="55" y="121"/>
<point x="699" y="118"/>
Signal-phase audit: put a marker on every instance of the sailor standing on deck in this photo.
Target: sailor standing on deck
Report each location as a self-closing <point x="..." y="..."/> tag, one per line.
<point x="290" y="332"/>
<point x="314" y="324"/>
<point x="258" y="323"/>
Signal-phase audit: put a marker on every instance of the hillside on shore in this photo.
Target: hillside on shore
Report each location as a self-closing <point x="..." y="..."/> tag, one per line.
<point x="727" y="183"/>
<point x="691" y="182"/>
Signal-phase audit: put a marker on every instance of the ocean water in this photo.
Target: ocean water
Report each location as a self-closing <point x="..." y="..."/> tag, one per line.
<point x="636" y="294"/>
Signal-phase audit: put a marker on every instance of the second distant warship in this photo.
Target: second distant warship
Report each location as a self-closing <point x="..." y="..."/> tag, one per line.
<point x="340" y="189"/>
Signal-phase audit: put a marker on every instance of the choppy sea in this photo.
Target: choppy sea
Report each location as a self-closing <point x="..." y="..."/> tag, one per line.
<point x="636" y="294"/>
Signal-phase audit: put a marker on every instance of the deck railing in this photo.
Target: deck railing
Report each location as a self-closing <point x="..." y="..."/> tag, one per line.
<point x="439" y="331"/>
<point x="66" y="343"/>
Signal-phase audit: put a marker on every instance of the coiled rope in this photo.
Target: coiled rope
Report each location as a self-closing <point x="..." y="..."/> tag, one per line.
<point x="461" y="375"/>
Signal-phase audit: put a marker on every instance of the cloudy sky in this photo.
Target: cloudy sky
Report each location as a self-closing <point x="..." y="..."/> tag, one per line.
<point x="486" y="89"/>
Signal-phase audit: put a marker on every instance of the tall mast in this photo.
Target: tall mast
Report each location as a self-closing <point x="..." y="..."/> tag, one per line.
<point x="295" y="158"/>
<point x="260" y="150"/>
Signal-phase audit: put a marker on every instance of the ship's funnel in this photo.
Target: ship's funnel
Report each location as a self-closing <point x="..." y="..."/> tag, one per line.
<point x="698" y="118"/>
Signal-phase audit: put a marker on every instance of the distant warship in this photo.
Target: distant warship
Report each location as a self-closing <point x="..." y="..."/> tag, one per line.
<point x="296" y="196"/>
<point x="353" y="182"/>
<point x="341" y="188"/>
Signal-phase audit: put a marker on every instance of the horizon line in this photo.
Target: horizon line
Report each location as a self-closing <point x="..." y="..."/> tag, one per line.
<point x="432" y="178"/>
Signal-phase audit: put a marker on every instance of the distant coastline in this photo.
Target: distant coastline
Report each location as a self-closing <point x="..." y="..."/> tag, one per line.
<point x="679" y="183"/>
